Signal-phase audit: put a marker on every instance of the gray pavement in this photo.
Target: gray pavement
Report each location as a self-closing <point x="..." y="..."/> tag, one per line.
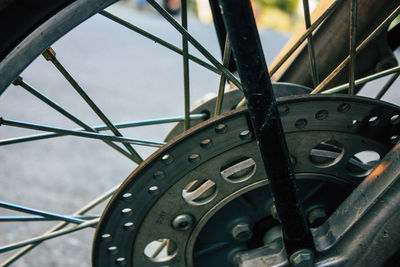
<point x="130" y="78"/>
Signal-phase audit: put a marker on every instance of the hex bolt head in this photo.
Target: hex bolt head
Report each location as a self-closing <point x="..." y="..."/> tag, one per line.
<point x="302" y="258"/>
<point x="242" y="231"/>
<point x="183" y="222"/>
<point x="316" y="217"/>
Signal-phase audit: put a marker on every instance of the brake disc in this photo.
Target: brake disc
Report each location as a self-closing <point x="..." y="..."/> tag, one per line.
<point x="231" y="99"/>
<point x="204" y="196"/>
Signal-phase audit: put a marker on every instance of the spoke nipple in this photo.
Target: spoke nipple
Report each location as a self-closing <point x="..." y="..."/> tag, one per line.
<point x="242" y="231"/>
<point x="302" y="258"/>
<point x="49" y="54"/>
<point x="183" y="222"/>
<point x="17" y="81"/>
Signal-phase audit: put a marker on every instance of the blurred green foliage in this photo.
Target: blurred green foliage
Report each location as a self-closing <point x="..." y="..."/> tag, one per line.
<point x="289" y="6"/>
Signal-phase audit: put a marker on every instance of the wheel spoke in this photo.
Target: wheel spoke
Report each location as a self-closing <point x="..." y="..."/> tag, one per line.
<point x="20" y="82"/>
<point x="86" y="224"/>
<point x="44" y="214"/>
<point x="185" y="49"/>
<point x="61" y="225"/>
<point x="364" y="43"/>
<point x="352" y="48"/>
<point x="388" y="84"/>
<point x="132" y="124"/>
<point x="195" y="43"/>
<point x="222" y="81"/>
<point x="92" y="135"/>
<point x="50" y="55"/>
<point x="309" y="31"/>
<point x="363" y="80"/>
<point x="22" y="218"/>
<point x="157" y="40"/>
<point x="310" y="45"/>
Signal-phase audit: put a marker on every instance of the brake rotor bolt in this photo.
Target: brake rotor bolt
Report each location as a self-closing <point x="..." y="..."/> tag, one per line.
<point x="183" y="222"/>
<point x="302" y="258"/>
<point x="220" y="129"/>
<point x="316" y="217"/>
<point x="241" y="231"/>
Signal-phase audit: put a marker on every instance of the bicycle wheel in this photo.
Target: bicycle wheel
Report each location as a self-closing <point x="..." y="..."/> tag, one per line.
<point x="37" y="42"/>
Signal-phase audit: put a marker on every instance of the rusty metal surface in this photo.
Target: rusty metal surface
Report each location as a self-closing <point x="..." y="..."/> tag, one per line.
<point x="331" y="45"/>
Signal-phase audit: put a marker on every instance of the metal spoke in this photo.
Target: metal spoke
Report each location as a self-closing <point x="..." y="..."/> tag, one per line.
<point x="157" y="40"/>
<point x="363" y="80"/>
<point x="22" y="218"/>
<point x="222" y="81"/>
<point x="352" y="48"/>
<point x="195" y="43"/>
<point x="41" y="213"/>
<point x="387" y="85"/>
<point x="50" y="55"/>
<point x="312" y="27"/>
<point x="311" y="53"/>
<point x="86" y="224"/>
<point x="20" y="82"/>
<point x="92" y="135"/>
<point x="364" y="43"/>
<point x="82" y="211"/>
<point x="185" y="49"/>
<point x="132" y="124"/>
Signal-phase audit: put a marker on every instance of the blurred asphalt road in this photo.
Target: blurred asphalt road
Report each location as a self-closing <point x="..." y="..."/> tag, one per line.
<point x="130" y="78"/>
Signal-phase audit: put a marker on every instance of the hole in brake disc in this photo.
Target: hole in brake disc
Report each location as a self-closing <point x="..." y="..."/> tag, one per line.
<point x="199" y="192"/>
<point x="239" y="170"/>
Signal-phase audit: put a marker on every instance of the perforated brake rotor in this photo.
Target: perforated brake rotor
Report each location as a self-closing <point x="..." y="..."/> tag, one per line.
<point x="180" y="206"/>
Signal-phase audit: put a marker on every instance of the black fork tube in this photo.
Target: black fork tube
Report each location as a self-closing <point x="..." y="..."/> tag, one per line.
<point x="252" y="68"/>
<point x="220" y="30"/>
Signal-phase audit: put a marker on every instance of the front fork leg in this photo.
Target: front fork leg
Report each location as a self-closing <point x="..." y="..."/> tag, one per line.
<point x="252" y="68"/>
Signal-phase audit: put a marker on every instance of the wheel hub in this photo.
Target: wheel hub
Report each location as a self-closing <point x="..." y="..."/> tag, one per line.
<point x="204" y="196"/>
